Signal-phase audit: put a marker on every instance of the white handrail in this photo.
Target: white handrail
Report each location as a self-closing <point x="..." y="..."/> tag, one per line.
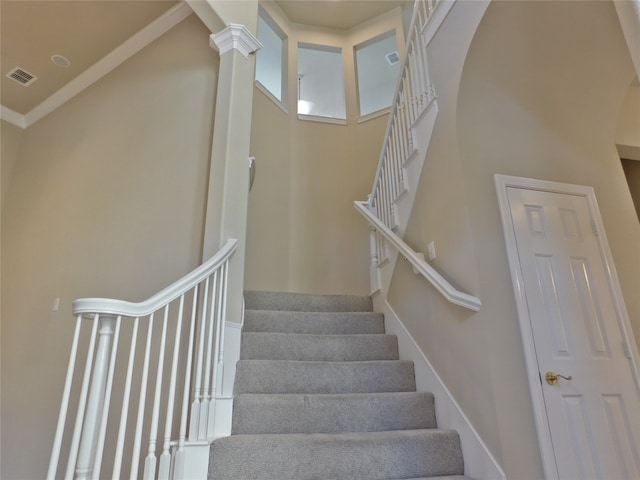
<point x="93" y="424"/>
<point x="440" y="283"/>
<point x="167" y="295"/>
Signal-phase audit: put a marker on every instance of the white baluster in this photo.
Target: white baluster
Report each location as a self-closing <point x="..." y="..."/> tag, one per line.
<point x="392" y="161"/>
<point x="213" y="364"/>
<point x="397" y="162"/>
<point x="126" y="396"/>
<point x="151" y="460"/>
<point x="64" y="406"/>
<point x="194" y="430"/>
<point x="413" y="80"/>
<point x="402" y="138"/>
<point x="218" y="354"/>
<point x="137" y="442"/>
<point x="388" y="190"/>
<point x="382" y="247"/>
<point x="182" y="436"/>
<point x="373" y="246"/>
<point x="165" y="457"/>
<point x="223" y="316"/>
<point x="205" y="406"/>
<point x="77" y="430"/>
<point x="107" y="402"/>
<point x="94" y="411"/>
<point x="373" y="267"/>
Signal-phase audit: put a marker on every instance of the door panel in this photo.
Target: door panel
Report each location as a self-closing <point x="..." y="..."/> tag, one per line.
<point x="594" y="418"/>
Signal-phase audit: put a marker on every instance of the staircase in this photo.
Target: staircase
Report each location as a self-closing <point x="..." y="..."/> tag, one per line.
<point x="320" y="393"/>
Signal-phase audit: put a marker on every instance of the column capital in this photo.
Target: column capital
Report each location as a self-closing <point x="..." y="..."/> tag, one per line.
<point x="235" y="37"/>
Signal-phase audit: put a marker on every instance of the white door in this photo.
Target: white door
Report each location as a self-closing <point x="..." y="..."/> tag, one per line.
<point x="576" y="325"/>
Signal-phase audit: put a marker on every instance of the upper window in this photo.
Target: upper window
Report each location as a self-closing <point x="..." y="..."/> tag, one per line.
<point x="271" y="59"/>
<point x="377" y="65"/>
<point x="321" y="82"/>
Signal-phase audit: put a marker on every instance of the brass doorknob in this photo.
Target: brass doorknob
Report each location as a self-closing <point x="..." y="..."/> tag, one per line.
<point x="552" y="377"/>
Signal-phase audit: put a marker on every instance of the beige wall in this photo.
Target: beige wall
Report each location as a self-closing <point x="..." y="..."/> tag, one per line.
<point x="107" y="199"/>
<point x="533" y="105"/>
<point x="628" y="126"/>
<point x="10" y="142"/>
<point x="304" y="233"/>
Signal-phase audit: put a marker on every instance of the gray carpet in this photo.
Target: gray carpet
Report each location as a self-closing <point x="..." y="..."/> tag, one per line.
<point x="320" y="394"/>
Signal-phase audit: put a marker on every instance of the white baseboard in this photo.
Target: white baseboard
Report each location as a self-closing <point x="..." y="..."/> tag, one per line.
<point x="479" y="463"/>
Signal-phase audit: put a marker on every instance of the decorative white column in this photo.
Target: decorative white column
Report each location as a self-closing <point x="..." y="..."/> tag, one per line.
<point x="230" y="163"/>
<point x="226" y="215"/>
<point x="229" y="175"/>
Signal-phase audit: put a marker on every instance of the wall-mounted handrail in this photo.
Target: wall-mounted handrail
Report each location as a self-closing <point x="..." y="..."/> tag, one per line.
<point x="440" y="283"/>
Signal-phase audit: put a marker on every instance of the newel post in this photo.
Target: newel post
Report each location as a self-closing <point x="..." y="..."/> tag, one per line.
<point x="95" y="403"/>
<point x="374" y="248"/>
<point x="229" y="175"/>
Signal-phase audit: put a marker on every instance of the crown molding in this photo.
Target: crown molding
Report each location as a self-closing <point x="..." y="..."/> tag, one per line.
<point x="236" y="37"/>
<point x="102" y="67"/>
<point x="12" y="117"/>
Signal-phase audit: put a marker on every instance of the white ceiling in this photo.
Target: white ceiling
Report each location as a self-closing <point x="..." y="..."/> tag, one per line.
<point x="84" y="31"/>
<point x="341" y="14"/>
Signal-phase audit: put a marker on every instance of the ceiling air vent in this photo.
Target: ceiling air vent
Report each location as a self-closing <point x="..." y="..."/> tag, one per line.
<point x="22" y="76"/>
<point x="392" y="58"/>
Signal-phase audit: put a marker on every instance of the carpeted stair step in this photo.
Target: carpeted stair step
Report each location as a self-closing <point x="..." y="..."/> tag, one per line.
<point x="328" y="323"/>
<point x="442" y="477"/>
<point x="320" y="348"/>
<point x="366" y="456"/>
<point x="362" y="412"/>
<point x="286" y="376"/>
<point x="300" y="302"/>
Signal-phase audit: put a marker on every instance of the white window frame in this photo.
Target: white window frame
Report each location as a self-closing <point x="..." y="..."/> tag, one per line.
<point x="284" y="91"/>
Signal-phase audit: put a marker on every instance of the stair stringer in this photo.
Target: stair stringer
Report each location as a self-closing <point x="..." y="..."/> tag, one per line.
<point x="479" y="463"/>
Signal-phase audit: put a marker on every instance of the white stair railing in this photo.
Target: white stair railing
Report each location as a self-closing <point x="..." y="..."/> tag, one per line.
<point x="107" y="437"/>
<point x="414" y="94"/>
<point x="413" y="108"/>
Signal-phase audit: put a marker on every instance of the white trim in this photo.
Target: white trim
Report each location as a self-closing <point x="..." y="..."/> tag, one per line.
<point x="502" y="182"/>
<point x="235" y="37"/>
<point x="12" y="117"/>
<point x="271" y="96"/>
<point x="372" y="115"/>
<point x="316" y="118"/>
<point x="478" y="460"/>
<point x="109" y="62"/>
<point x="436" y="20"/>
<point x="628" y="152"/>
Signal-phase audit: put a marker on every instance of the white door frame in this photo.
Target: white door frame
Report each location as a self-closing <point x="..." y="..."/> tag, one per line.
<point x="535" y="386"/>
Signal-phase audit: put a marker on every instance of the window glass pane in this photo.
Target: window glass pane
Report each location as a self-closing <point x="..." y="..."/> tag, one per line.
<point x="269" y="62"/>
<point x="377" y="63"/>
<point x="321" y="81"/>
